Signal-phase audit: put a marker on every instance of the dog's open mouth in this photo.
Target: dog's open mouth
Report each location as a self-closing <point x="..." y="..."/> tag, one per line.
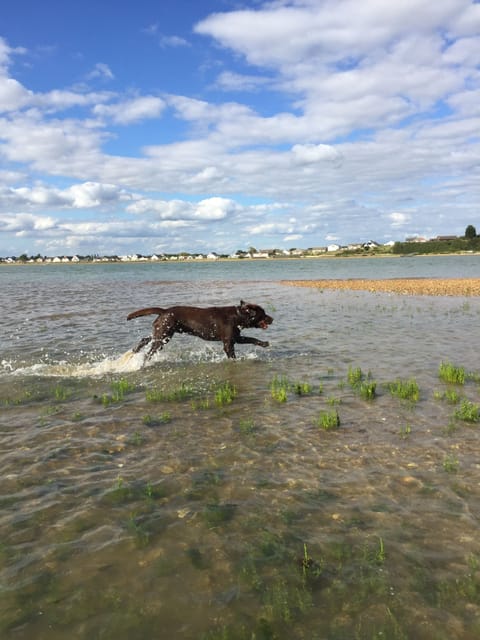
<point x="263" y="324"/>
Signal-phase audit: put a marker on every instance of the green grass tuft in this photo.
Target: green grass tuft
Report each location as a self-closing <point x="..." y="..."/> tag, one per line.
<point x="405" y="389"/>
<point x="328" y="420"/>
<point x="468" y="411"/>
<point x="450" y="373"/>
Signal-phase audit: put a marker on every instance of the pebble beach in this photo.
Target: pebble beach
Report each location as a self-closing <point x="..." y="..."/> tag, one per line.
<point x="404" y="286"/>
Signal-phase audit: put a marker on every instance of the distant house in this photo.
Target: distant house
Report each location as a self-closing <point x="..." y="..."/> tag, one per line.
<point x="371" y="244"/>
<point x="212" y="256"/>
<point x="416" y="239"/>
<point x="333" y="247"/>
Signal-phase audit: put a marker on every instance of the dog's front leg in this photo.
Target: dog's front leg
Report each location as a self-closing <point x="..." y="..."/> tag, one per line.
<point x="229" y="348"/>
<point x="248" y="340"/>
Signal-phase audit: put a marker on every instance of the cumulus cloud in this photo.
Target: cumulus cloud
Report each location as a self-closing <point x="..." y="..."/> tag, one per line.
<point x="314" y="153"/>
<point x="78" y="196"/>
<point x="350" y="118"/>
<point x="231" y="81"/>
<point x="209" y="209"/>
<point x="399" y="219"/>
<point x="130" y="111"/>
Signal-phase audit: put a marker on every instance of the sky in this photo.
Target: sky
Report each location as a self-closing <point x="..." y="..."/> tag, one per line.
<point x="217" y="125"/>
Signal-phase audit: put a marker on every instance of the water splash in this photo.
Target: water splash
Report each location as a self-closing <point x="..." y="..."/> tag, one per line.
<point x="126" y="363"/>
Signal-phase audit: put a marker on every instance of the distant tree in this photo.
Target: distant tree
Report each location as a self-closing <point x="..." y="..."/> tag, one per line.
<point x="470" y="232"/>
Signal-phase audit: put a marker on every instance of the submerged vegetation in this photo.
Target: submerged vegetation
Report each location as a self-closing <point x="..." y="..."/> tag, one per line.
<point x="261" y="495"/>
<point x="405" y="389"/>
<point x="451" y="373"/>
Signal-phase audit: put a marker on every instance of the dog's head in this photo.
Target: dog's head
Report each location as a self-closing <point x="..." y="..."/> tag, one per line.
<point x="252" y="315"/>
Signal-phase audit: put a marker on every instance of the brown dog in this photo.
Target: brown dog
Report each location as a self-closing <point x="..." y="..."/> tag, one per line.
<point x="214" y="323"/>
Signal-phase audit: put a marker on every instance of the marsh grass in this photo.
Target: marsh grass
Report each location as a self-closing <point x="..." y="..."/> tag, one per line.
<point x="216" y="514"/>
<point x="405" y="431"/>
<point x="451" y="396"/>
<point x="405" y="389"/>
<point x="137" y="439"/>
<point x="25" y="397"/>
<point x="451" y="373"/>
<point x="362" y="384"/>
<point x="279" y="388"/>
<point x="368" y="389"/>
<point x="225" y="394"/>
<point x="468" y="411"/>
<point x="328" y="420"/>
<point x="302" y="388"/>
<point x="154" y="421"/>
<point x="138" y="530"/>
<point x="247" y="427"/>
<point x="183" y="392"/>
<point x="202" y="403"/>
<point x="450" y="464"/>
<point x="61" y="393"/>
<point x="354" y="376"/>
<point x="119" y="388"/>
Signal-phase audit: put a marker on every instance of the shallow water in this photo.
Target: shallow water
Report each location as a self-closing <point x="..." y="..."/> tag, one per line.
<point x="135" y="505"/>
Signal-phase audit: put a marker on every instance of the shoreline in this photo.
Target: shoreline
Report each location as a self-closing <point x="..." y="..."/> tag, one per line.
<point x="402" y="286"/>
<point x="322" y="256"/>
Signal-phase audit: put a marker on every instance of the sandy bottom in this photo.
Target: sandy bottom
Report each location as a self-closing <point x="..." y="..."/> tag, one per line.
<point x="407" y="286"/>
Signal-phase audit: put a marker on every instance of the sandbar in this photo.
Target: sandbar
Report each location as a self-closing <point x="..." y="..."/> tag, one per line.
<point x="403" y="286"/>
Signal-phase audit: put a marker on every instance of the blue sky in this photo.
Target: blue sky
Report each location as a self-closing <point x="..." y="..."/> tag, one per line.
<point x="182" y="125"/>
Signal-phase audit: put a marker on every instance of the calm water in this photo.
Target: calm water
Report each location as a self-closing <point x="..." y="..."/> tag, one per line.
<point x="138" y="503"/>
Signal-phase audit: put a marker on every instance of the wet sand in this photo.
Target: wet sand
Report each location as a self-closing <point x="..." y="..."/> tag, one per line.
<point x="405" y="286"/>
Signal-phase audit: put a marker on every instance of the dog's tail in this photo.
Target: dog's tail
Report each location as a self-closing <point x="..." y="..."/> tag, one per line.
<point x="144" y="312"/>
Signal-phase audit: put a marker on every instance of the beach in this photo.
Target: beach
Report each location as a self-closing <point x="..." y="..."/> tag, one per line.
<point x="404" y="286"/>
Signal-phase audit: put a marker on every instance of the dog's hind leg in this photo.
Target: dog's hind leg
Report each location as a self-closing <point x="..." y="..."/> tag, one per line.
<point x="143" y="342"/>
<point x="162" y="333"/>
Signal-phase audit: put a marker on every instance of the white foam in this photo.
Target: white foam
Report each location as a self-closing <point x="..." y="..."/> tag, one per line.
<point x="125" y="363"/>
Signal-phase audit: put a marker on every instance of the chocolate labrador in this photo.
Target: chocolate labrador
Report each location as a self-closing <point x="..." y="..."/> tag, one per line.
<point x="213" y="323"/>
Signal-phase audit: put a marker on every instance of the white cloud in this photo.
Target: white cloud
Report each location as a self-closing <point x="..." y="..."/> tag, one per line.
<point x="209" y="209"/>
<point x="77" y="196"/>
<point x="6" y="53"/>
<point x="399" y="219"/>
<point x="173" y="41"/>
<point x="348" y="118"/>
<point x="231" y="81"/>
<point x="130" y="111"/>
<point x="102" y="71"/>
<point x="314" y="153"/>
<point x="13" y="95"/>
